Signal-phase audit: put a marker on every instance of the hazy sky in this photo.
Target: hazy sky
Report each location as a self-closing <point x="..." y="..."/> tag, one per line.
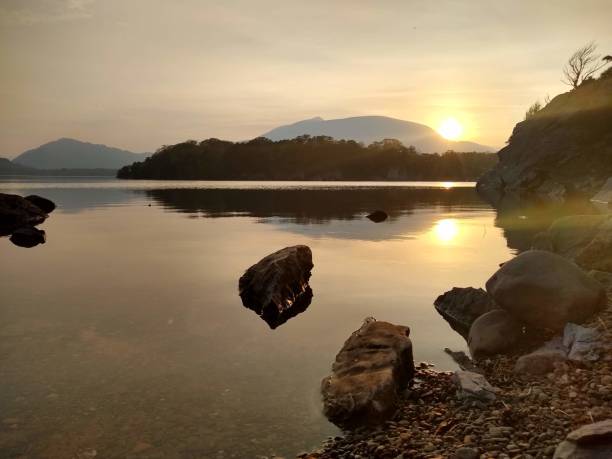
<point x="137" y="74"/>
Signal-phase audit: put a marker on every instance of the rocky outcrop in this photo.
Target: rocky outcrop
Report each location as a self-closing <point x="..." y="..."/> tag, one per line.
<point x="495" y="332"/>
<point x="46" y="205"/>
<point x="460" y="307"/>
<point x="277" y="286"/>
<point x="592" y="441"/>
<point x="544" y="290"/>
<point x="378" y="216"/>
<point x="562" y="151"/>
<point x="16" y="212"/>
<point x="370" y="371"/>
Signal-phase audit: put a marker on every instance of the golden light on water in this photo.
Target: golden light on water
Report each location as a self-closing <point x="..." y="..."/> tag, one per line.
<point x="450" y="129"/>
<point x="448" y="185"/>
<point x="446" y="230"/>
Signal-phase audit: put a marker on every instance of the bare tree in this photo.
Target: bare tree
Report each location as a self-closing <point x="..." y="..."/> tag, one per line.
<point x="582" y="65"/>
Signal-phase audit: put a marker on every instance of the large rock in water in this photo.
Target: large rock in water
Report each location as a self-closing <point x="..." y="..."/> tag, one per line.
<point x="460" y="307"/>
<point x="370" y="371"/>
<point x="544" y="290"/>
<point x="592" y="441"/>
<point x="563" y="150"/>
<point x="277" y="287"/>
<point x="28" y="236"/>
<point x="16" y="212"/>
<point x="46" y="205"/>
<point x="495" y="332"/>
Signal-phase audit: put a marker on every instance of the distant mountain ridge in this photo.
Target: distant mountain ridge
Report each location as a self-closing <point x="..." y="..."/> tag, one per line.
<point x="68" y="153"/>
<point x="368" y="129"/>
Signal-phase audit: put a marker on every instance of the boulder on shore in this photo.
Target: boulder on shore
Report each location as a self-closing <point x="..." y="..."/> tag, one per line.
<point x="592" y="441"/>
<point x="542" y="360"/>
<point x="277" y="286"/>
<point x="495" y="332"/>
<point x="544" y="290"/>
<point x="16" y="212"/>
<point x="370" y="371"/>
<point x="461" y="306"/>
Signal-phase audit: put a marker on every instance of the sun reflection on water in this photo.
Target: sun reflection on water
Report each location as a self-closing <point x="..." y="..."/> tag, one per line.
<point x="446" y="230"/>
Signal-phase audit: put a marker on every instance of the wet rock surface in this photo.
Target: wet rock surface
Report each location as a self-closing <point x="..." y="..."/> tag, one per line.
<point x="276" y="287"/>
<point x="460" y="307"/>
<point x="545" y="290"/>
<point x="370" y="372"/>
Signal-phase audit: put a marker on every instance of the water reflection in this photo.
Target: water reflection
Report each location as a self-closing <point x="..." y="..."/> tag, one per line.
<point x="446" y="230"/>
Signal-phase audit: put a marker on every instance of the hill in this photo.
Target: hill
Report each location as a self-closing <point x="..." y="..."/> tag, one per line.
<point x="74" y="154"/>
<point x="305" y="158"/>
<point x="368" y="129"/>
<point x="563" y="151"/>
<point x="8" y="167"/>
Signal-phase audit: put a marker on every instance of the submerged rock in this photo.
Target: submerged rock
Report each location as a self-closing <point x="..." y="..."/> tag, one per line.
<point x="592" y="441"/>
<point x="544" y="290"/>
<point x="461" y="306"/>
<point x="46" y="205"/>
<point x="28" y="236"/>
<point x="495" y="332"/>
<point x="473" y="386"/>
<point x="277" y="287"/>
<point x="378" y="216"/>
<point x="16" y="212"/>
<point x="370" y="371"/>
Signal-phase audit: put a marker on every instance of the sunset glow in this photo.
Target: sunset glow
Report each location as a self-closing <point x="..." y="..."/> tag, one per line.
<point x="450" y="129"/>
<point x="446" y="230"/>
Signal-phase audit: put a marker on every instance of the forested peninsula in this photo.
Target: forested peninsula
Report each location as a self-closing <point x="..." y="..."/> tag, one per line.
<point x="305" y="158"/>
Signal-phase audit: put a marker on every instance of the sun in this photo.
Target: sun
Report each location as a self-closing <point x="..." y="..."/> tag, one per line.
<point x="450" y="129"/>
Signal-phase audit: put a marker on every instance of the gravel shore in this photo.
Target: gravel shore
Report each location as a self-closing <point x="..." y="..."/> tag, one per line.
<point x="529" y="418"/>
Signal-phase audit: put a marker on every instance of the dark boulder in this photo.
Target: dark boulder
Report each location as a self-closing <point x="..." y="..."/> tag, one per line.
<point x="16" y="212"/>
<point x="461" y="306"/>
<point x="495" y="332"/>
<point x="371" y="370"/>
<point x="544" y="290"/>
<point x="27" y="236"/>
<point x="46" y="205"/>
<point x="378" y="216"/>
<point x="592" y="441"/>
<point x="277" y="287"/>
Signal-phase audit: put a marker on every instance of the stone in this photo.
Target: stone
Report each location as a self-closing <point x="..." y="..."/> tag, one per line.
<point x="369" y="373"/>
<point x="597" y="254"/>
<point x="473" y="386"/>
<point x="28" y="236"/>
<point x="582" y="343"/>
<point x="277" y="286"/>
<point x="604" y="195"/>
<point x="461" y="306"/>
<point x="466" y="453"/>
<point x="16" y="212"/>
<point x="603" y="277"/>
<point x="592" y="441"/>
<point x="46" y="205"/>
<point x="495" y="332"/>
<point x="545" y="290"/>
<point x="378" y="216"/>
<point x="542" y="360"/>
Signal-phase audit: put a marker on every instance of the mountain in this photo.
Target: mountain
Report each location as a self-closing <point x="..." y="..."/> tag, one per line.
<point x="74" y="154"/>
<point x="8" y="167"/>
<point x="368" y="129"/>
<point x="562" y="151"/>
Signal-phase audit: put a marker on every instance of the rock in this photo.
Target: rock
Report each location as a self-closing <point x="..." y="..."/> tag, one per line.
<point x="16" y="212"/>
<point x="378" y="216"/>
<point x="542" y="360"/>
<point x="603" y="277"/>
<point x="466" y="453"/>
<point x="495" y="332"/>
<point x="28" y="236"/>
<point x="46" y="205"/>
<point x="592" y="441"/>
<point x="473" y="386"/>
<point x="544" y="290"/>
<point x="604" y="195"/>
<point x="461" y="306"/>
<point x="371" y="370"/>
<point x="597" y="254"/>
<point x="582" y="343"/>
<point x="569" y="235"/>
<point x="277" y="287"/>
<point x="461" y="359"/>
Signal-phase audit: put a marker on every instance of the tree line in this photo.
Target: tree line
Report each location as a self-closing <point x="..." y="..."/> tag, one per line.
<point x="305" y="158"/>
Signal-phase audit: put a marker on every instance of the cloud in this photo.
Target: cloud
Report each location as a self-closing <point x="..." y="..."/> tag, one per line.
<point x="29" y="12"/>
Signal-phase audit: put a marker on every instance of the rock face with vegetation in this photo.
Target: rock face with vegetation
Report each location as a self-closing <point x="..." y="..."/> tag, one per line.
<point x="369" y="374"/>
<point x="565" y="149"/>
<point x="545" y="290"/>
<point x="277" y="286"/>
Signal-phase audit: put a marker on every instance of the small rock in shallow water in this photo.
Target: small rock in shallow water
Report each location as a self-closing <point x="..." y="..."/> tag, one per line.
<point x="378" y="216"/>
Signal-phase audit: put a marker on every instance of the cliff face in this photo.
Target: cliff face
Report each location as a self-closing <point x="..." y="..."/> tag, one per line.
<point x="565" y="150"/>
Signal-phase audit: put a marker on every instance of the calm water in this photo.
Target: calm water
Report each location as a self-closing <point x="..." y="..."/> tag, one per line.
<point x="124" y="333"/>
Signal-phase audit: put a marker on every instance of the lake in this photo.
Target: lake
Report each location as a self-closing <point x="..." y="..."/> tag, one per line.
<point x="124" y="335"/>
